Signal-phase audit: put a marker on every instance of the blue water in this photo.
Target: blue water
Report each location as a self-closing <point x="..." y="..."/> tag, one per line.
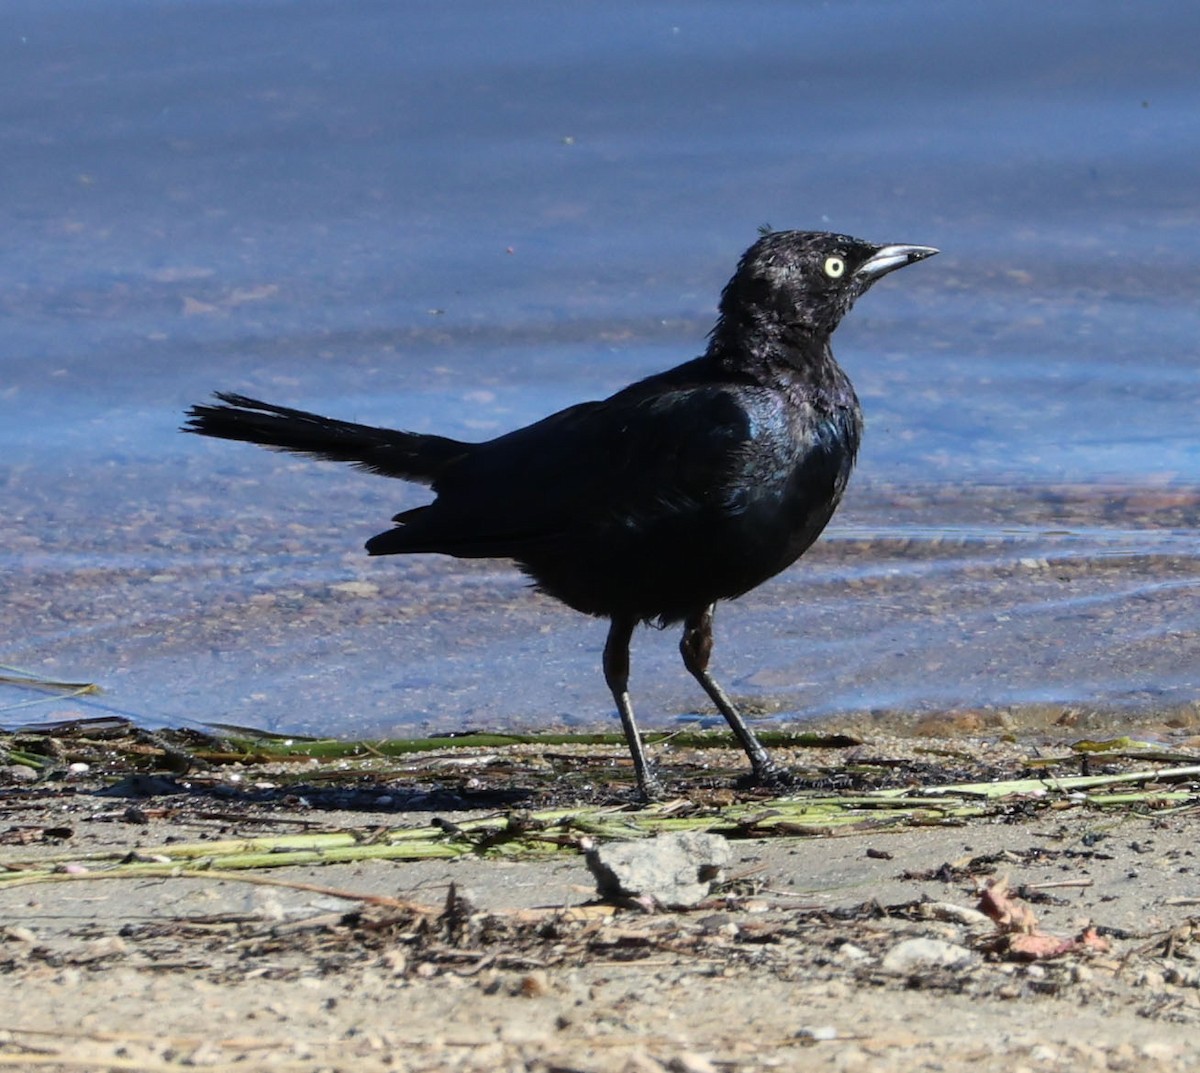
<point x="462" y="216"/>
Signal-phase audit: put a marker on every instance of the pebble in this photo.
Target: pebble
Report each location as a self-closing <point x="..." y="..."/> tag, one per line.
<point x="20" y="773"/>
<point x="913" y="954"/>
<point x="850" y="952"/>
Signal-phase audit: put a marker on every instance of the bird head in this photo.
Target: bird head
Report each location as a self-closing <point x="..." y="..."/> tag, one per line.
<point x="804" y="282"/>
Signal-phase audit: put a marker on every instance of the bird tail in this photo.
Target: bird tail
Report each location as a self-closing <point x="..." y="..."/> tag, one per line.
<point x="412" y="456"/>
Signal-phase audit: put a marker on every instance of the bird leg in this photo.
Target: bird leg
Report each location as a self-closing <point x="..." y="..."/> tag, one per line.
<point x="696" y="648"/>
<point x="616" y="674"/>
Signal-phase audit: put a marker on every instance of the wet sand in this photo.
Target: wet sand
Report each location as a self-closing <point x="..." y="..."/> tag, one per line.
<point x="275" y="618"/>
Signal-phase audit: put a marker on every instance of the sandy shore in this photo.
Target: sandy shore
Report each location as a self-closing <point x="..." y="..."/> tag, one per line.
<point x="803" y="960"/>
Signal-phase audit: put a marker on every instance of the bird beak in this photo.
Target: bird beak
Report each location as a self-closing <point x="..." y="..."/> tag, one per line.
<point x="888" y="258"/>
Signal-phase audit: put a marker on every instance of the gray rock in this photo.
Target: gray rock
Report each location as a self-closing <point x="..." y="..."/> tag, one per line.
<point x="912" y="955"/>
<point x="673" y="870"/>
<point x="19" y="773"/>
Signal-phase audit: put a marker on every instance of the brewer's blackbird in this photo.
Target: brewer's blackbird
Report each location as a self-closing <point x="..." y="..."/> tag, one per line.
<point x="691" y="486"/>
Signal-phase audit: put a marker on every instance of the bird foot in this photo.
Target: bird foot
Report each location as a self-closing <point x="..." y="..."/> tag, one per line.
<point x="773" y="776"/>
<point x="651" y="790"/>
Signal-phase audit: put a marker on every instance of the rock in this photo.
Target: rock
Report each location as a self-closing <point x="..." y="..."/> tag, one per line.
<point x="818" y="1033"/>
<point x="912" y="955"/>
<point x="19" y="773"/>
<point x="849" y="953"/>
<point x="671" y="870"/>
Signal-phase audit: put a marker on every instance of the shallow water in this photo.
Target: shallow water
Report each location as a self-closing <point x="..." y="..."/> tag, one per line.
<point x="460" y="217"/>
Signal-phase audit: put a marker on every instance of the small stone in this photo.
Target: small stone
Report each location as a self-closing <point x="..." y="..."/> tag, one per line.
<point x="818" y="1033"/>
<point x="20" y="773"/>
<point x="851" y="953"/>
<point x="673" y="870"/>
<point x="691" y="1062"/>
<point x="912" y="955"/>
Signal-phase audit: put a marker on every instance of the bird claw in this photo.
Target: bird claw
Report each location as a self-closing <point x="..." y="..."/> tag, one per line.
<point x="651" y="790"/>
<point x="773" y="776"/>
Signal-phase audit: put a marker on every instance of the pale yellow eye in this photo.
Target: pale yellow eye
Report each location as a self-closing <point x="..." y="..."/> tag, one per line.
<point x="834" y="267"/>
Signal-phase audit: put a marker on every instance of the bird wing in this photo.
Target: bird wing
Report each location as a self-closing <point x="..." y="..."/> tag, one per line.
<point x="599" y="468"/>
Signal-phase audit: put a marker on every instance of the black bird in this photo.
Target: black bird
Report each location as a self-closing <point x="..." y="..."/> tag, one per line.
<point x="691" y="486"/>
